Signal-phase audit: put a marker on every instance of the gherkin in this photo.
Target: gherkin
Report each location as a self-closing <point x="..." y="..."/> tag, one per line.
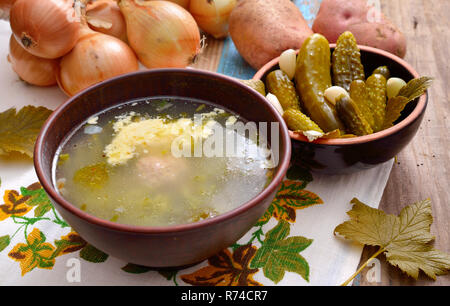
<point x="359" y="94"/>
<point x="279" y="84"/>
<point x="297" y="121"/>
<point x="312" y="78"/>
<point x="257" y="85"/>
<point x="384" y="71"/>
<point x="376" y="89"/>
<point x="346" y="61"/>
<point x="353" y="118"/>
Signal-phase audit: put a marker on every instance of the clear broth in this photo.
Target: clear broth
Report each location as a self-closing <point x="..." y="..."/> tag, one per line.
<point x="155" y="189"/>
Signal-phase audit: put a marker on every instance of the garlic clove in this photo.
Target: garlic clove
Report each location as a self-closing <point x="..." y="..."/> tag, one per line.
<point x="393" y="87"/>
<point x="274" y="101"/>
<point x="288" y="62"/>
<point x="332" y="93"/>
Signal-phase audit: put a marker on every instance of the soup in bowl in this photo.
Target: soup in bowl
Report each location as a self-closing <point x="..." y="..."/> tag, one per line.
<point x="163" y="167"/>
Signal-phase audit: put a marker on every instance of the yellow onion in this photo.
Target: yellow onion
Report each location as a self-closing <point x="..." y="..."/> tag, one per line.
<point x="161" y="33"/>
<point x="183" y="3"/>
<point x="5" y="7"/>
<point x="96" y="57"/>
<point x="30" y="68"/>
<point x="212" y="15"/>
<point x="104" y="16"/>
<point x="45" y="28"/>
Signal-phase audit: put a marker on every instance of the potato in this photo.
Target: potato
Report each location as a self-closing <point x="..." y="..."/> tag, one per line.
<point x="370" y="27"/>
<point x="263" y="29"/>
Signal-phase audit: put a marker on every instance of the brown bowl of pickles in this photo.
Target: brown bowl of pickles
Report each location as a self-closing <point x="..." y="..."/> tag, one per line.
<point x="348" y="107"/>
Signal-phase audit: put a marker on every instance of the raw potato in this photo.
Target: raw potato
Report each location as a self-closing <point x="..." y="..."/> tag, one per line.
<point x="263" y="29"/>
<point x="338" y="16"/>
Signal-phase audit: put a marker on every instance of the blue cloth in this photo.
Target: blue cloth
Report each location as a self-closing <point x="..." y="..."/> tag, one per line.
<point x="232" y="64"/>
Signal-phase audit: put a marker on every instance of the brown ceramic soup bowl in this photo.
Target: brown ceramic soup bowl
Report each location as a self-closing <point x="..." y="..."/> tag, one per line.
<point x="339" y="156"/>
<point x="173" y="245"/>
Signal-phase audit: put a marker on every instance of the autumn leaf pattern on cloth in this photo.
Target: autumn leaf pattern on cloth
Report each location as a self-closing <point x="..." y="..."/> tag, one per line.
<point x="226" y="269"/>
<point x="289" y="198"/>
<point x="235" y="266"/>
<point x="15" y="205"/>
<point x="279" y="253"/>
<point x="36" y="251"/>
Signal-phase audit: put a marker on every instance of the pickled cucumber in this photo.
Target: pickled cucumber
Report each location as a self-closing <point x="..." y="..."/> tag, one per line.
<point x="312" y="78"/>
<point x="346" y="63"/>
<point x="257" y="85"/>
<point x="297" y="121"/>
<point x="358" y="93"/>
<point x="384" y="71"/>
<point x="353" y="118"/>
<point x="279" y="84"/>
<point x="376" y="89"/>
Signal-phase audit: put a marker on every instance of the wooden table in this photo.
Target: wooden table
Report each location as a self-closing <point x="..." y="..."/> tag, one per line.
<point x="422" y="169"/>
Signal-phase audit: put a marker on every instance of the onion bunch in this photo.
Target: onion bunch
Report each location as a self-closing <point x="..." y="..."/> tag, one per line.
<point x="79" y="45"/>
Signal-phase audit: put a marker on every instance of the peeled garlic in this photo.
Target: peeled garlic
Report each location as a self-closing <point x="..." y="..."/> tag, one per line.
<point x="288" y="61"/>
<point x="394" y="85"/>
<point x="274" y="101"/>
<point x="332" y="93"/>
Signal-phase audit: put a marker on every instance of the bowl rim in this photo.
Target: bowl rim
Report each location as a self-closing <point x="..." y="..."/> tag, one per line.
<point x="420" y="107"/>
<point x="278" y="176"/>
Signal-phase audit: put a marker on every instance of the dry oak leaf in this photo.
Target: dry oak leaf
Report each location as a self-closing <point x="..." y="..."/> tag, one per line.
<point x="226" y="269"/>
<point x="405" y="239"/>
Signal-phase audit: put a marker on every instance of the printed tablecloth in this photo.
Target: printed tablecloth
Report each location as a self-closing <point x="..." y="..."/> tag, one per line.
<point x="292" y="244"/>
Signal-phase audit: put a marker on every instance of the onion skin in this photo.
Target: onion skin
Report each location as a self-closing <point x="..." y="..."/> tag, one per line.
<point x="183" y="3"/>
<point x="162" y="33"/>
<point x="32" y="69"/>
<point x="45" y="28"/>
<point x="109" y="11"/>
<point x="212" y="15"/>
<point x="5" y="7"/>
<point x="95" y="58"/>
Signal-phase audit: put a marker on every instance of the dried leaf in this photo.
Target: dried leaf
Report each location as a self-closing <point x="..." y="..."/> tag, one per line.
<point x="395" y="105"/>
<point x="394" y="110"/>
<point x="415" y="88"/>
<point x="19" y="130"/>
<point x="405" y="239"/>
<point x="314" y="135"/>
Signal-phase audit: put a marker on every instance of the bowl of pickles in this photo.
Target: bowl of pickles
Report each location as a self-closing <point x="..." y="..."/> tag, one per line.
<point x="348" y="107"/>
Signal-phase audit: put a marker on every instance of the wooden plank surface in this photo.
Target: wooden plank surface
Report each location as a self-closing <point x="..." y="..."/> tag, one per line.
<point x="423" y="168"/>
